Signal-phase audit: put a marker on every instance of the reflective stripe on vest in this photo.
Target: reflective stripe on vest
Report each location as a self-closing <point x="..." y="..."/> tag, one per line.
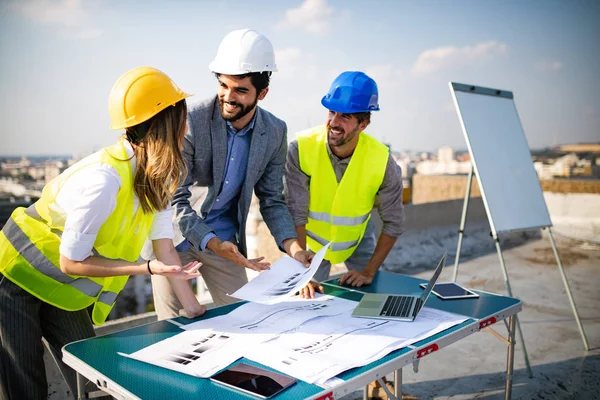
<point x="108" y="298"/>
<point x="34" y="256"/>
<point x="335" y="246"/>
<point x="343" y="221"/>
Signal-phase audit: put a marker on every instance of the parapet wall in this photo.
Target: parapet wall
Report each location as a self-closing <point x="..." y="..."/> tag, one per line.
<point x="574" y="205"/>
<point x="433" y="188"/>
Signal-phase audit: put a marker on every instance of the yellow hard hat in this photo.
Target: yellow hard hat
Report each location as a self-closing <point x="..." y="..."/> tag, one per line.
<point x="139" y="95"/>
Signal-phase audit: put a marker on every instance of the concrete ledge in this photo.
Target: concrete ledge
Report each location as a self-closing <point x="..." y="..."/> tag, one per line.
<point x="119" y="324"/>
<point x="442" y="213"/>
<point x="436" y="188"/>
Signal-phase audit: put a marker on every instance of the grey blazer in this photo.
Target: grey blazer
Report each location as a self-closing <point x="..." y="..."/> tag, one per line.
<point x="205" y="150"/>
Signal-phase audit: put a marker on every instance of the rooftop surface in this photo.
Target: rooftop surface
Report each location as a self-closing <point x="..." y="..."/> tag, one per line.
<point x="473" y="368"/>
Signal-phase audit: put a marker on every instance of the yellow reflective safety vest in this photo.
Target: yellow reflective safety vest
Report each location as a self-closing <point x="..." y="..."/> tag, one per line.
<point x="339" y="212"/>
<point x="30" y="240"/>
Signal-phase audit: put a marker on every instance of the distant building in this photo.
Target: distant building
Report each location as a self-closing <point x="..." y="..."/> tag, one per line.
<point x="566" y="166"/>
<point x="12" y="187"/>
<point x="37" y="173"/>
<point x="51" y="171"/>
<point x="15" y="165"/>
<point x="580" y="148"/>
<point x="446" y="155"/>
<point x="446" y="164"/>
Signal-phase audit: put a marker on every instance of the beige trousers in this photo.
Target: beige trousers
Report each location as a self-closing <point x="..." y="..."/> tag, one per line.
<point x="221" y="277"/>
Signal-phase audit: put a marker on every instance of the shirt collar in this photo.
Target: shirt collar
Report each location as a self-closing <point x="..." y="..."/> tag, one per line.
<point x="336" y="158"/>
<point x="244" y="130"/>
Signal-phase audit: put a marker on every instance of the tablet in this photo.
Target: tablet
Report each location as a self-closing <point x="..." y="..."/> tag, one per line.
<point x="450" y="290"/>
<point x="254" y="381"/>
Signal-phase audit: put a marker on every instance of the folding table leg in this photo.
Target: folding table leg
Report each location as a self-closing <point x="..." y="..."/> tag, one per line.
<point x="508" y="288"/>
<point x="398" y="383"/>
<point x="81" y="381"/>
<point x="510" y="357"/>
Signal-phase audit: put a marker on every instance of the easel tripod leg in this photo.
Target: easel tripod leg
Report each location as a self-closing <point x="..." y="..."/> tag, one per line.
<point x="463" y="220"/>
<point x="568" y="289"/>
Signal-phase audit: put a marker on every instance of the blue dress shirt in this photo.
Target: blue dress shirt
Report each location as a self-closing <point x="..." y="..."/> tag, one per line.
<point x="223" y="215"/>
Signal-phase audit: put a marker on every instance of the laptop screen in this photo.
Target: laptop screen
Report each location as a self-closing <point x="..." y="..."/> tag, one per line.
<point x="433" y="280"/>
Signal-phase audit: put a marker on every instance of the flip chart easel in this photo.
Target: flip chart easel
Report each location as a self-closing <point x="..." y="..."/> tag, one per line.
<point x="510" y="188"/>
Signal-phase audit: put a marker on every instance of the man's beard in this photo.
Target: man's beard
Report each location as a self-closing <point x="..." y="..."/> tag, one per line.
<point x="344" y="139"/>
<point x="242" y="111"/>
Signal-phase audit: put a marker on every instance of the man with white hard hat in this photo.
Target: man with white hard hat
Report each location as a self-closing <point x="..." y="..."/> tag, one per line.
<point x="232" y="149"/>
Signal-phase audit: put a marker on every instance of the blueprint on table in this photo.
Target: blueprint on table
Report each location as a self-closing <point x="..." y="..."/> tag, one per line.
<point x="309" y="339"/>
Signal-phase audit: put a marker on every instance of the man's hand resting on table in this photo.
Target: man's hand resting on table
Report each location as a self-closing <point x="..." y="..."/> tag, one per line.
<point x="356" y="279"/>
<point x="192" y="312"/>
<point x="308" y="291"/>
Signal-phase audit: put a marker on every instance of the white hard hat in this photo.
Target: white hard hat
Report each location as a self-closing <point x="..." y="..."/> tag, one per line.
<point x="244" y="51"/>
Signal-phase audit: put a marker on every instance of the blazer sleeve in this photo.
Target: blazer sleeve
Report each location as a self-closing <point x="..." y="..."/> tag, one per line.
<point x="188" y="221"/>
<point x="269" y="190"/>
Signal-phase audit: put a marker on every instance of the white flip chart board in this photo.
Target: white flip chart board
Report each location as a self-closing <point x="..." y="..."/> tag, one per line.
<point x="501" y="157"/>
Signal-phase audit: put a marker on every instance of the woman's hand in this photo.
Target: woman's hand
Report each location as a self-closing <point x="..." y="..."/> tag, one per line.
<point x="188" y="271"/>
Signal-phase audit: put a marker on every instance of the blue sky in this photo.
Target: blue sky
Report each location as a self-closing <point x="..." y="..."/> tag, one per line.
<point x="59" y="60"/>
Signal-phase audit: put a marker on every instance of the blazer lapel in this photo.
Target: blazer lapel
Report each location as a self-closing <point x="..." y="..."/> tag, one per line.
<point x="257" y="148"/>
<point x="218" y="132"/>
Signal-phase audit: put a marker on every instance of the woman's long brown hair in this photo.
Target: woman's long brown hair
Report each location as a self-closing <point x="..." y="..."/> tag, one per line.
<point x="160" y="167"/>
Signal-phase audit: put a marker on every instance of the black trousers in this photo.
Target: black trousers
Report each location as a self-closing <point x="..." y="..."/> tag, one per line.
<point x="24" y="320"/>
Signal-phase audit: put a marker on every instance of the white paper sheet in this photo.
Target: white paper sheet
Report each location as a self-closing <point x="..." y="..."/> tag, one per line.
<point x="286" y="277"/>
<point x="316" y="352"/>
<point x="200" y="353"/>
<point x="275" y="319"/>
<point x="310" y="339"/>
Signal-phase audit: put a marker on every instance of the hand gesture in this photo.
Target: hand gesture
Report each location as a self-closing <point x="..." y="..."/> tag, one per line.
<point x="188" y="271"/>
<point x="356" y="279"/>
<point x="308" y="291"/>
<point x="230" y="251"/>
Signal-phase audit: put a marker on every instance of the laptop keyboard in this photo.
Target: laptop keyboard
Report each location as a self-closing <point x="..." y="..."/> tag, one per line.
<point x="396" y="306"/>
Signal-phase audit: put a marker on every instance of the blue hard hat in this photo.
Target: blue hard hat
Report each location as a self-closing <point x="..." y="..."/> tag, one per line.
<point x="352" y="92"/>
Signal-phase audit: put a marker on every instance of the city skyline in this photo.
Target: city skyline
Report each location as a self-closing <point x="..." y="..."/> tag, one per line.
<point x="60" y="59"/>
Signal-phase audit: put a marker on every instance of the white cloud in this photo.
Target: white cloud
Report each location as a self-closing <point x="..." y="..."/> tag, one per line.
<point x="293" y="63"/>
<point x="433" y="60"/>
<point x="385" y="74"/>
<point x="549" y="66"/>
<point x="67" y="13"/>
<point x="314" y="16"/>
<point x="89" y="33"/>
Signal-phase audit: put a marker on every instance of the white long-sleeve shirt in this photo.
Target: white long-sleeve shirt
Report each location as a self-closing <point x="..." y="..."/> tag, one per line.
<point x="88" y="198"/>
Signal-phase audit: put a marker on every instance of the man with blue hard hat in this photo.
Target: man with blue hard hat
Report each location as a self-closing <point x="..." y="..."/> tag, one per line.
<point x="335" y="175"/>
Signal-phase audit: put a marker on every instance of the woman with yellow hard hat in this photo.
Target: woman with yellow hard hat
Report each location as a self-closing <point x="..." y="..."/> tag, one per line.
<point x="77" y="245"/>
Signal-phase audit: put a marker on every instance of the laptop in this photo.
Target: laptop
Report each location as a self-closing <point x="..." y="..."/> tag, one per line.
<point x="396" y="307"/>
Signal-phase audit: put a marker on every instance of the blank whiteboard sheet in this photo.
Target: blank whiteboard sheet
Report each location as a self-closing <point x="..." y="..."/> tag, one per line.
<point x="501" y="157"/>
